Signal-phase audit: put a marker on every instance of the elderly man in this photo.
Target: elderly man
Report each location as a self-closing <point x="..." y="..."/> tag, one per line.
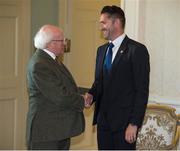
<point x="55" y="106"/>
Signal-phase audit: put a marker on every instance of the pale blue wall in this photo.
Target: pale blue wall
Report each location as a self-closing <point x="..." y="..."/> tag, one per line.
<point x="43" y="12"/>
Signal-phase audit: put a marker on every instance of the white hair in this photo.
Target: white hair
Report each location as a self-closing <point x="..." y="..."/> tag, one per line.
<point x="42" y="38"/>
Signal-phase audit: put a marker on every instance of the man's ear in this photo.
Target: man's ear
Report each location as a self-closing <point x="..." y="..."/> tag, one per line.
<point x="48" y="45"/>
<point x="117" y="22"/>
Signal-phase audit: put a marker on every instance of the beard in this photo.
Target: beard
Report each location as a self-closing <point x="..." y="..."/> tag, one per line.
<point x="108" y="33"/>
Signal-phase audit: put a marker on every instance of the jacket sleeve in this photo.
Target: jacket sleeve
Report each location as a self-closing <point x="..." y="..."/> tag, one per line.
<point x="94" y="89"/>
<point x="54" y="89"/>
<point x="141" y="70"/>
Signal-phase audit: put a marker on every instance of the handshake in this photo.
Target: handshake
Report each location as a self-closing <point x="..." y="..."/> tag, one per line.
<point x="88" y="99"/>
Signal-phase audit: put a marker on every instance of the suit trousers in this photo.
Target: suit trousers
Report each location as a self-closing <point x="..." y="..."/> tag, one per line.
<point x="50" y="145"/>
<point x="111" y="140"/>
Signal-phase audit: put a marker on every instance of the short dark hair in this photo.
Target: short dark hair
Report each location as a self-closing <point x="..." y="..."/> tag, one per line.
<point x="115" y="12"/>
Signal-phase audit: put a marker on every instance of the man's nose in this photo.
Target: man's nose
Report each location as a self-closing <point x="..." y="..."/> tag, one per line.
<point x="100" y="26"/>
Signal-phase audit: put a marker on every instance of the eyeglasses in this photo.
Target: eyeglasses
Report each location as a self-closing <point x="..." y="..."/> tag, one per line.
<point x="59" y="40"/>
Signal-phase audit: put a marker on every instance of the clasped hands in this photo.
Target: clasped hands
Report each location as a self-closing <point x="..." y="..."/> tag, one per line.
<point x="88" y="99"/>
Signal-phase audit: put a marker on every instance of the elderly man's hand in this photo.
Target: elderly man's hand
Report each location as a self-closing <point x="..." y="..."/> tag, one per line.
<point x="88" y="100"/>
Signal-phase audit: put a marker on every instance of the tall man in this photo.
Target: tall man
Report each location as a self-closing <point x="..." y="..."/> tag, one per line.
<point x="121" y="87"/>
<point x="55" y="106"/>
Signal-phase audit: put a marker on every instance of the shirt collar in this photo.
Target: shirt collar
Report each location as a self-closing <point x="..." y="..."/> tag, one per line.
<point x="52" y="55"/>
<point x="117" y="42"/>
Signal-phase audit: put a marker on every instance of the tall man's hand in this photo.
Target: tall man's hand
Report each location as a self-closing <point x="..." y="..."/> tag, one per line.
<point x="130" y="134"/>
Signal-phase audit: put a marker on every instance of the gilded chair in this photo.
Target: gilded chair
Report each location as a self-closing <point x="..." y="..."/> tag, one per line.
<point x="178" y="145"/>
<point x="160" y="130"/>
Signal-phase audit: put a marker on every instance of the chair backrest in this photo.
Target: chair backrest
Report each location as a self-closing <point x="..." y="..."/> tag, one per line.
<point x="178" y="142"/>
<point x="159" y="130"/>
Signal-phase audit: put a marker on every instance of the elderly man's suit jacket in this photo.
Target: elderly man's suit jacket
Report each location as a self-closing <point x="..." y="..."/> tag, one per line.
<point x="55" y="106"/>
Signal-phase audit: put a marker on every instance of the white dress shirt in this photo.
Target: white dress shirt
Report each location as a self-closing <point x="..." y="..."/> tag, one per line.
<point x="117" y="43"/>
<point x="52" y="55"/>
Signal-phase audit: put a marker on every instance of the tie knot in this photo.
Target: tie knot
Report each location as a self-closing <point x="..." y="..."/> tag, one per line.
<point x="111" y="45"/>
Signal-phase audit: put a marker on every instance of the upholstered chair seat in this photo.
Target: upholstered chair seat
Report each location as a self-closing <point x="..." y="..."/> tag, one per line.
<point x="160" y="130"/>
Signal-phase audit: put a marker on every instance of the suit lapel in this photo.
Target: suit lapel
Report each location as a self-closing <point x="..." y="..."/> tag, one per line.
<point x="102" y="57"/>
<point x="120" y="53"/>
<point x="63" y="69"/>
<point x="60" y="66"/>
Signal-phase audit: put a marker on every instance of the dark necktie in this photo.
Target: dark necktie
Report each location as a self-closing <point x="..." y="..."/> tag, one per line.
<point x="108" y="59"/>
<point x="56" y="60"/>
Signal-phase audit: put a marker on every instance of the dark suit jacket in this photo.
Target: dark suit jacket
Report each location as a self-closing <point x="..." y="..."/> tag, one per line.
<point x="126" y="93"/>
<point x="55" y="106"/>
